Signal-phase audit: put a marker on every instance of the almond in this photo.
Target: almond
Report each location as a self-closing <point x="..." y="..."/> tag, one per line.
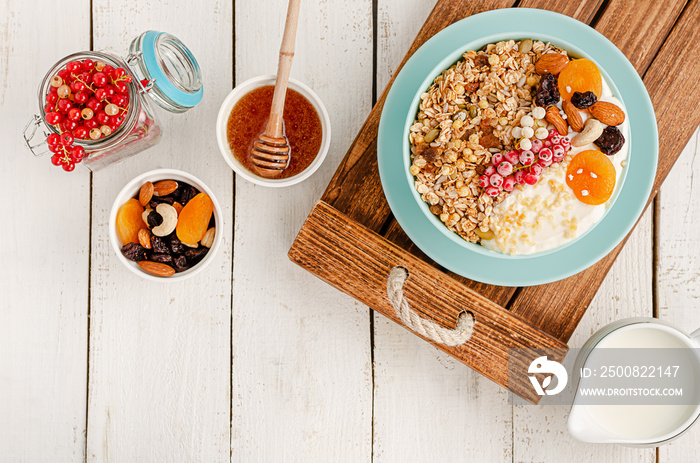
<point x="607" y="113"/>
<point x="146" y="193"/>
<point x="208" y="238"/>
<point x="553" y="117"/>
<point x="164" y="187"/>
<point x="551" y="63"/>
<point x="156" y="268"/>
<point x="145" y="238"/>
<point x="573" y="117"/>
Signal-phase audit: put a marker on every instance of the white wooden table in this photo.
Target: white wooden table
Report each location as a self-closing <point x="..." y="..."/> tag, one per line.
<point x="255" y="360"/>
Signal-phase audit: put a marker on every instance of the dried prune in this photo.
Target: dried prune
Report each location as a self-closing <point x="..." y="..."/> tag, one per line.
<point x="181" y="264"/>
<point x="194" y="255"/>
<point x="162" y="258"/>
<point x="611" y="141"/>
<point x="583" y="100"/>
<point x="176" y="245"/>
<point x="547" y="92"/>
<point x="134" y="251"/>
<point x="154" y="219"/>
<point x="159" y="246"/>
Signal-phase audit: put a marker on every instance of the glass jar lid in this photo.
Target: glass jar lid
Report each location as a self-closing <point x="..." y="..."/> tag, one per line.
<point x="172" y="73"/>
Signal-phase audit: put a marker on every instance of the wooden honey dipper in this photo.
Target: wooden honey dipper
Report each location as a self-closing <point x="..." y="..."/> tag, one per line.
<point x="271" y="151"/>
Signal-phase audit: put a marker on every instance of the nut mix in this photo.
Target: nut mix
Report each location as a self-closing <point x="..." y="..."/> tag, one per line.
<point x="162" y="238"/>
<point x="495" y="120"/>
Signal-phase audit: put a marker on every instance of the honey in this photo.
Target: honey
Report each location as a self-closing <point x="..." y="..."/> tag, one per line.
<point x="302" y="127"/>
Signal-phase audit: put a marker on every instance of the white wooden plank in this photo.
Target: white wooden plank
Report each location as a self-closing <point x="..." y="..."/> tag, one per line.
<point x="427" y="406"/>
<point x="159" y="386"/>
<point x="45" y="236"/>
<point x="540" y="433"/>
<point x="678" y="267"/>
<point x="301" y="353"/>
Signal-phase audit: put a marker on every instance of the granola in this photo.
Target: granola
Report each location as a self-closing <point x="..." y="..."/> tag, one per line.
<point x="472" y="110"/>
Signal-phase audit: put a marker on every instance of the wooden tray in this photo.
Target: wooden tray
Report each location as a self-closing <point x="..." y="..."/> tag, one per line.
<point x="351" y="240"/>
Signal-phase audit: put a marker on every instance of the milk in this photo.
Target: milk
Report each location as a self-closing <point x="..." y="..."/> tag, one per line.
<point x="640" y="421"/>
<point x="636" y="424"/>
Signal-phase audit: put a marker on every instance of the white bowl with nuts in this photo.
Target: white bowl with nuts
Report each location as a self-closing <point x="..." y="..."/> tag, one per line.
<point x="164" y="225"/>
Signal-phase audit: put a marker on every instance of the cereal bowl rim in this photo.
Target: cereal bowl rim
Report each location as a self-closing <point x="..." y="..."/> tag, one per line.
<point x="131" y="189"/>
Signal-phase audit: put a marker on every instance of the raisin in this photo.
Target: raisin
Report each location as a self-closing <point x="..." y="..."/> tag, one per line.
<point x="134" y="251"/>
<point x="161" y="199"/>
<point x="194" y="255"/>
<point x="583" y="100"/>
<point x="162" y="258"/>
<point x="188" y="192"/>
<point x="181" y="264"/>
<point x="611" y="141"/>
<point x="154" y="219"/>
<point x="472" y="87"/>
<point x="481" y="60"/>
<point x="159" y="246"/>
<point x="176" y="245"/>
<point x="547" y="92"/>
<point x="431" y="153"/>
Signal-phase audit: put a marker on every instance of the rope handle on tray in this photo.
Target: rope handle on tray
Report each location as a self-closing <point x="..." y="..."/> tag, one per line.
<point x="461" y="333"/>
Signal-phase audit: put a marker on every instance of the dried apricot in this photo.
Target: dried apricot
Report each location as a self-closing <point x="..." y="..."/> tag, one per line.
<point x="194" y="218"/>
<point x="592" y="177"/>
<point x="129" y="221"/>
<point x="580" y="75"/>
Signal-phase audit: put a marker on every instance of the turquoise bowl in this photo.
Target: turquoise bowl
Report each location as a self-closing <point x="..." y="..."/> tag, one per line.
<point x="475" y="261"/>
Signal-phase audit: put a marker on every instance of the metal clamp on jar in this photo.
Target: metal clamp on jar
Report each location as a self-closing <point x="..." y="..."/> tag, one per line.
<point x="161" y="67"/>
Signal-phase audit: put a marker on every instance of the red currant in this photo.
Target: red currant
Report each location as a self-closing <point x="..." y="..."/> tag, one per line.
<point x="118" y="73"/>
<point x="93" y="104"/>
<point x="74" y="66"/>
<point x="63" y="74"/>
<point x="108" y="70"/>
<point x="68" y="166"/>
<point x="53" y="117"/>
<point x="48" y="107"/>
<point x="74" y="114"/>
<point x="99" y="79"/>
<point x="530" y="179"/>
<point x="53" y="139"/>
<point x="80" y="132"/>
<point x="56" y="148"/>
<point x="118" y="100"/>
<point x="101" y="94"/>
<point x="80" y="97"/>
<point x="66" y="139"/>
<point x="68" y="125"/>
<point x="118" y="120"/>
<point x="51" y="98"/>
<point x="90" y="123"/>
<point x="121" y="87"/>
<point x="88" y="64"/>
<point x="102" y="117"/>
<point x="64" y="105"/>
<point x="77" y="86"/>
<point x="77" y="153"/>
<point x="127" y="79"/>
<point x="56" y="159"/>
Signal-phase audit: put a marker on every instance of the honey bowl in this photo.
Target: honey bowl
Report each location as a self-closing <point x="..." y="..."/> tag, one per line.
<point x="222" y="128"/>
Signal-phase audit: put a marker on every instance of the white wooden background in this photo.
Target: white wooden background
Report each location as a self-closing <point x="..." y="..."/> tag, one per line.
<point x="255" y="360"/>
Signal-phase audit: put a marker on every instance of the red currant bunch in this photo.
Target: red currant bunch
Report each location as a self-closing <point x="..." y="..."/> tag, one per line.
<point x="87" y="100"/>
<point x="520" y="166"/>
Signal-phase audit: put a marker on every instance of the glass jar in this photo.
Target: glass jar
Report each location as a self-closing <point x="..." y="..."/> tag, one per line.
<point x="163" y="71"/>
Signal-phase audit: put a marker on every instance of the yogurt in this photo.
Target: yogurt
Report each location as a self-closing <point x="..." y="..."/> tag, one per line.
<point x="546" y="215"/>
